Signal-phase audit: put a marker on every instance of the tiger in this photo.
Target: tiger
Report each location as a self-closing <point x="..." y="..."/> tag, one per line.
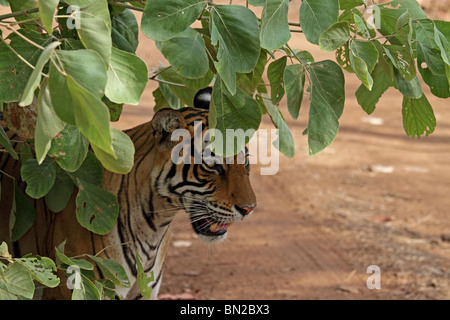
<point x="214" y="196"/>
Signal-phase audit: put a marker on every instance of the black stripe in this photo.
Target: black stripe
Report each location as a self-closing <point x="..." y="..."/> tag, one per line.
<point x="172" y="171"/>
<point x="185" y="172"/>
<point x="158" y="245"/>
<point x="121" y="226"/>
<point x="8" y="156"/>
<point x="149" y="219"/>
<point x="200" y="193"/>
<point x="158" y="279"/>
<point x="172" y="189"/>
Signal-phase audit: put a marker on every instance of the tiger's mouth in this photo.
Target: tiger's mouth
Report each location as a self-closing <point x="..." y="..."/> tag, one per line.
<point x="211" y="229"/>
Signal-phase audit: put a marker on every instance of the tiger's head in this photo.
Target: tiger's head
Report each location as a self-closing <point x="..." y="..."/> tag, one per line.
<point x="215" y="195"/>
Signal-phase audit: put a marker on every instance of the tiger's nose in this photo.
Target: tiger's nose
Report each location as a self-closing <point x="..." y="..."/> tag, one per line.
<point x="245" y="210"/>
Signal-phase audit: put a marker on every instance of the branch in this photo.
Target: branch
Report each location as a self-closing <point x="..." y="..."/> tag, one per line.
<point x="18" y="13"/>
<point x="7" y="26"/>
<point x="168" y="82"/>
<point x="124" y="5"/>
<point x="17" y="54"/>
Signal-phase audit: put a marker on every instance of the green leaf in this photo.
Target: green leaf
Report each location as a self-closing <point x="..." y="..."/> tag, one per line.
<point x="425" y="32"/>
<point x="48" y="124"/>
<point x="4" y="141"/>
<point x="124" y="153"/>
<point x="91" y="116"/>
<point x="80" y="3"/>
<point x="363" y="57"/>
<point x="41" y="269"/>
<point x="257" y="73"/>
<point x="35" y="78"/>
<point x="235" y="30"/>
<point x="360" y="68"/>
<point x="160" y="100"/>
<point x="275" y="73"/>
<point x="402" y="60"/>
<point x="22" y="5"/>
<point x="86" y="67"/>
<point x="235" y="112"/>
<point x="199" y="83"/>
<point x="14" y="73"/>
<point x="143" y="279"/>
<point x="411" y="89"/>
<point x="164" y="19"/>
<point x="433" y="70"/>
<point x="171" y="100"/>
<point x="113" y="271"/>
<point x="343" y="58"/>
<point x="184" y="94"/>
<point x="16" y="283"/>
<point x="259" y="3"/>
<point x="95" y="28"/>
<point x="86" y="291"/>
<point x="25" y="152"/>
<point x="316" y="16"/>
<point x="69" y="148"/>
<point x="59" y="195"/>
<point x="39" y="178"/>
<point x="294" y="81"/>
<point x="107" y="288"/>
<point x="349" y="4"/>
<point x="362" y="27"/>
<point x="442" y="38"/>
<point x="274" y="24"/>
<point x="4" y="252"/>
<point x="97" y="209"/>
<point x="187" y="53"/>
<point x="62" y="103"/>
<point x="404" y="29"/>
<point x="326" y="105"/>
<point x="127" y="77"/>
<point x="115" y="109"/>
<point x="418" y="116"/>
<point x="384" y="61"/>
<point x="22" y="215"/>
<point x="389" y="17"/>
<point x="47" y="10"/>
<point x="285" y="142"/>
<point x="91" y="170"/>
<point x="368" y="99"/>
<point x="62" y="259"/>
<point x="335" y="36"/>
<point x="125" y="31"/>
<point x="443" y="43"/>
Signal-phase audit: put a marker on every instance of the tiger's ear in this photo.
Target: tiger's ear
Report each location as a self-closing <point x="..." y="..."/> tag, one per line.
<point x="164" y="123"/>
<point x="202" y="98"/>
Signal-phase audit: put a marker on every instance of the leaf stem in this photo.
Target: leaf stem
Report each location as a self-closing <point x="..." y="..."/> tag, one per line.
<point x="158" y="72"/>
<point x="7" y="26"/>
<point x="18" y="13"/>
<point x="8" y="175"/>
<point x="168" y="82"/>
<point x="17" y="54"/>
